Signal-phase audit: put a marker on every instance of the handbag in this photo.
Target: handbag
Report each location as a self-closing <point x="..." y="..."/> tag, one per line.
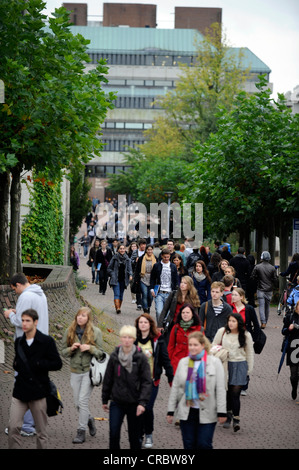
<point x="89" y="263"/>
<point x="54" y="403"/>
<point x="97" y="369"/>
<point x="260" y="342"/>
<point x="219" y="351"/>
<point x="53" y="398"/>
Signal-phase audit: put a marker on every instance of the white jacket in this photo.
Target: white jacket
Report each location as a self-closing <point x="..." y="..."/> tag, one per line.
<point x="212" y="405"/>
<point x="31" y="297"/>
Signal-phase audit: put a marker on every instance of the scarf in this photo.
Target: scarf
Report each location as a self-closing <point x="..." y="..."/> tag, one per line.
<point x="186" y="324"/>
<point x="121" y="258"/>
<point x="199" y="277"/>
<point x="151" y="258"/>
<point x="79" y="332"/>
<point x="126" y="360"/>
<point x="196" y="381"/>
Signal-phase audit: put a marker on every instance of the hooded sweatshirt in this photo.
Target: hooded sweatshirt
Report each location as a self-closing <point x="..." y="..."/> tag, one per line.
<point x="31" y="297"/>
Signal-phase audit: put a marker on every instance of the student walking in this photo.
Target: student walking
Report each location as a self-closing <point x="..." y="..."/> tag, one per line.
<point x="239" y="344"/>
<point x="291" y="332"/>
<point x="35" y="355"/>
<point x="128" y="386"/>
<point x="81" y="341"/>
<point x="152" y="344"/>
<point x="198" y="396"/>
<point x="120" y="272"/>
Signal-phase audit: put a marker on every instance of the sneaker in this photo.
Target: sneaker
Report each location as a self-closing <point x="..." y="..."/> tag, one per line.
<point x="148" y="441"/>
<point x="27" y="434"/>
<point x="6" y="431"/>
<point x="243" y="393"/>
<point x="139" y="307"/>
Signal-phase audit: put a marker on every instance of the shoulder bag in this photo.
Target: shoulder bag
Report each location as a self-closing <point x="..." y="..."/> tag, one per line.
<point x="97" y="369"/>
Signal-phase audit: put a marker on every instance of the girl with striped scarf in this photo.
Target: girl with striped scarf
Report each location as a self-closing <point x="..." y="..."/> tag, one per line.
<point x="198" y="395"/>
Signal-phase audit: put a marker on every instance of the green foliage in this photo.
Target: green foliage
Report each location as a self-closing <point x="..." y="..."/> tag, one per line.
<point x="247" y="172"/>
<point x="149" y="177"/>
<point x="80" y="204"/>
<point x="42" y="231"/>
<point x="53" y="109"/>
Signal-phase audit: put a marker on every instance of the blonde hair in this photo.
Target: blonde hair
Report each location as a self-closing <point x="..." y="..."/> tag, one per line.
<point x="217" y="284"/>
<point x="241" y="293"/>
<point x="88" y="335"/>
<point x="192" y="295"/>
<point x="128" y="330"/>
<point x="202" y="339"/>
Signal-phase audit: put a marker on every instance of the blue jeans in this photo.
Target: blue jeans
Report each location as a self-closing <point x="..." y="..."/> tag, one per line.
<point x="196" y="435"/>
<point x="117" y="413"/>
<point x="159" y="303"/>
<point x="146" y="296"/>
<point x="119" y="290"/>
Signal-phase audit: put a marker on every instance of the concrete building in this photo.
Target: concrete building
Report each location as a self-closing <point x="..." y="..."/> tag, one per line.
<point x="143" y="65"/>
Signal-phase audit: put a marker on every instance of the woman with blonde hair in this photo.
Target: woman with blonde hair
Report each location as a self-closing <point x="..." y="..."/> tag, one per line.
<point x="81" y="341"/>
<point x="128" y="384"/>
<point x="198" y="395"/>
<point x="186" y="294"/>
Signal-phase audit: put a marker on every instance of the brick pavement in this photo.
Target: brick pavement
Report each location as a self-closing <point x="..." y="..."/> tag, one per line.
<point x="269" y="417"/>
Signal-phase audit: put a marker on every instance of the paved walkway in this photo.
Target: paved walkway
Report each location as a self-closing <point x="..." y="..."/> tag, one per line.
<point x="269" y="417"/>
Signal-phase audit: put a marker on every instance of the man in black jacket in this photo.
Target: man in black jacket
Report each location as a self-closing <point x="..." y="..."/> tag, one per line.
<point x="242" y="267"/>
<point x="35" y="355"/>
<point x="164" y="279"/>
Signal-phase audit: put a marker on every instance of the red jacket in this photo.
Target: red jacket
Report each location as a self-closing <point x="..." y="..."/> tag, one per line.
<point x="178" y="343"/>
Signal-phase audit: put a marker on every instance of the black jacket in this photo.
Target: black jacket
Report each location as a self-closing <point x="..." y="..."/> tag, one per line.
<point x="100" y="258"/>
<point x="156" y="275"/>
<point x="161" y="359"/>
<point x="213" y="322"/>
<point x="42" y="356"/>
<point x="242" y="267"/>
<point x="127" y="388"/>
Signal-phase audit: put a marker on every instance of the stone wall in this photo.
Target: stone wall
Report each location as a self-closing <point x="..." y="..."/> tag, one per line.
<point x="63" y="302"/>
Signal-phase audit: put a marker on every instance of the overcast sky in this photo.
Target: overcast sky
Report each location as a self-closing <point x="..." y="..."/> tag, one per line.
<point x="269" y="28"/>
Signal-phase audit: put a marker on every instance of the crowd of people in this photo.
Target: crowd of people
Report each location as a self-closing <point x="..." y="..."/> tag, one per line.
<point x="204" y="303"/>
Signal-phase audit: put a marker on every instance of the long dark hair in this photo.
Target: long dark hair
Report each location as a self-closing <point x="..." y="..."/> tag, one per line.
<point x="196" y="319"/>
<point x="153" y="327"/>
<point x="241" y="328"/>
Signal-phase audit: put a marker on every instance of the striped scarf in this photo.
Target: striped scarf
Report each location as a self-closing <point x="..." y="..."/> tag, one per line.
<point x="196" y="381"/>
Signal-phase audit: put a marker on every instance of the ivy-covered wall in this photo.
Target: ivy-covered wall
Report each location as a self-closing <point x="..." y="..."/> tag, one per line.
<point x="42" y="230"/>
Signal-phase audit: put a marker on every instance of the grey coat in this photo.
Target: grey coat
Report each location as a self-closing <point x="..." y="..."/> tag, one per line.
<point x="113" y="269"/>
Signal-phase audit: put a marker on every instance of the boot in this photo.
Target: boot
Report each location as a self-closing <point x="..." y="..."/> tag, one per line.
<point x="236" y="423"/>
<point x="80" y="438"/>
<point x="117" y="305"/>
<point x="91" y="426"/>
<point x="294" y="383"/>
<point x="226" y="425"/>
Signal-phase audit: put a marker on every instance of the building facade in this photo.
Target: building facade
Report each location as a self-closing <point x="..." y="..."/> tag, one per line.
<point x="143" y="64"/>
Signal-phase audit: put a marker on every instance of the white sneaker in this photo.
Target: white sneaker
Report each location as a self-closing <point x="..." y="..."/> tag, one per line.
<point x="243" y="393"/>
<point x="148" y="441"/>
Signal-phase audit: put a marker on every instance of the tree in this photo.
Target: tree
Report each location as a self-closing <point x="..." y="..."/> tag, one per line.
<point x="190" y="115"/>
<point x="211" y="82"/>
<point x="80" y="204"/>
<point x="246" y="174"/>
<point x="53" y="109"/>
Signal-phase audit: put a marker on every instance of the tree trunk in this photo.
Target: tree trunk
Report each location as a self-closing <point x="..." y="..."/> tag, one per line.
<point x="284" y="229"/>
<point x="4" y="247"/>
<point x="272" y="238"/>
<point x="14" y="238"/>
